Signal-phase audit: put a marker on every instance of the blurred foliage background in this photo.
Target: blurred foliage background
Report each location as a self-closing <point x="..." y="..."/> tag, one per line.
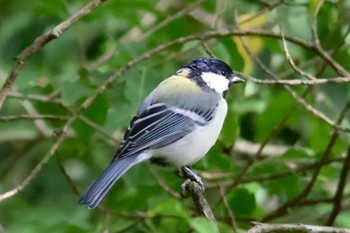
<point x="281" y="157"/>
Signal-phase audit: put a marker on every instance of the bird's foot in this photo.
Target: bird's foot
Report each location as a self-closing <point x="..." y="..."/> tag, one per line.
<point x="191" y="176"/>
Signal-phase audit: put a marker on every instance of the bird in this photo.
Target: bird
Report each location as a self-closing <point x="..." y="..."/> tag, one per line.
<point x="176" y="124"/>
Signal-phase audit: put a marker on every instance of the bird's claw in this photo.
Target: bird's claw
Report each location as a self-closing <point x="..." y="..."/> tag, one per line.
<point x="192" y="176"/>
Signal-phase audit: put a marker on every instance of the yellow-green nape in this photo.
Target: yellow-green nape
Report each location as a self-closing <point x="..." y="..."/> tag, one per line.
<point x="183" y="73"/>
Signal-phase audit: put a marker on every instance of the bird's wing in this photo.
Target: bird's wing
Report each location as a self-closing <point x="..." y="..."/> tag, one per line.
<point x="158" y="125"/>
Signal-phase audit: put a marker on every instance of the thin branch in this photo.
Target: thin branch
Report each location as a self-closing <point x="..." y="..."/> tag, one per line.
<point x="314" y="30"/>
<point x="296" y="228"/>
<point x="201" y="203"/>
<point x="268" y="177"/>
<point x="283" y="208"/>
<point x="171" y="18"/>
<point x="65" y="174"/>
<point x="40" y="124"/>
<point x="340" y="190"/>
<point x="181" y="40"/>
<point x="291" y="62"/>
<point x="297" y="81"/>
<point x="98" y="129"/>
<point x="300" y="99"/>
<point x="325" y="56"/>
<point x="163" y="185"/>
<point x="228" y="208"/>
<point x="33" y="117"/>
<point x="52" y="98"/>
<point x="269" y="7"/>
<point x="40" y="42"/>
<point x="315" y="112"/>
<point x="272" y="133"/>
<point x="40" y="165"/>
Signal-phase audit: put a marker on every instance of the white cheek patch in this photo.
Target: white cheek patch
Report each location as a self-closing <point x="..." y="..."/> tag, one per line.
<point x="215" y="81"/>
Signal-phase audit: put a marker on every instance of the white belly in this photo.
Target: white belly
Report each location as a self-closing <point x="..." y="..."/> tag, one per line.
<point x="195" y="145"/>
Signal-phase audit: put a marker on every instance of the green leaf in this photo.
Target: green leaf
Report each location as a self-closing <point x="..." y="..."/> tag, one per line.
<point x="96" y="113"/>
<point x="230" y="129"/>
<point x="235" y="59"/>
<point x="242" y="202"/>
<point x="170" y="207"/>
<point x="202" y="225"/>
<point x="73" y="91"/>
<point x="139" y="83"/>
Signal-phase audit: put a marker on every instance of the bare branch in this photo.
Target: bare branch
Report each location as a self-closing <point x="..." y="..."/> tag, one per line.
<point x="228" y="208"/>
<point x="39" y="166"/>
<point x="282" y="209"/>
<point x="296" y="228"/>
<point x="299" y="82"/>
<point x="40" y="42"/>
<point x="66" y="175"/>
<point x="340" y="190"/>
<point x="198" y="198"/>
<point x="41" y="98"/>
<point x="291" y="62"/>
<point x="181" y="40"/>
<point x="33" y="117"/>
<point x="171" y="18"/>
<point x="164" y="186"/>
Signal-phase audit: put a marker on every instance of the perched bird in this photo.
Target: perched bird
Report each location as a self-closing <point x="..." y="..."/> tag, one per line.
<point x="176" y="125"/>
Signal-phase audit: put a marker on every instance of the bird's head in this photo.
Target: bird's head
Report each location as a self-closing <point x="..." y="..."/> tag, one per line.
<point x="211" y="73"/>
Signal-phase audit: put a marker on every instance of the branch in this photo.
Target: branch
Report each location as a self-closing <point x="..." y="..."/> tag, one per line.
<point x="298" y="81"/>
<point x="293" y="202"/>
<point x="39" y="166"/>
<point x="33" y="117"/>
<point x="302" y="228"/>
<point x="202" y="37"/>
<point x="340" y="190"/>
<point x="40" y="42"/>
<point x="198" y="198"/>
<point x="52" y="98"/>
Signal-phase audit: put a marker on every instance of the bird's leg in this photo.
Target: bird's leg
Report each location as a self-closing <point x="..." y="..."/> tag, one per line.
<point x="191" y="176"/>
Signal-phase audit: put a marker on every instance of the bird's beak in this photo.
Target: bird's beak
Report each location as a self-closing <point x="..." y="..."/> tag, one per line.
<point x="236" y="79"/>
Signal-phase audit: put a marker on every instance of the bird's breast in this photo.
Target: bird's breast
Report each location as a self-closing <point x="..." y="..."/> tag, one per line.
<point x="195" y="145"/>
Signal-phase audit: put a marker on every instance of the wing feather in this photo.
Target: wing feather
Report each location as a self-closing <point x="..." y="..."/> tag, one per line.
<point x="158" y="125"/>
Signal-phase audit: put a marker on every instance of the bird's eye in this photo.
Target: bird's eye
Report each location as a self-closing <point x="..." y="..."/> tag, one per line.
<point x="223" y="73"/>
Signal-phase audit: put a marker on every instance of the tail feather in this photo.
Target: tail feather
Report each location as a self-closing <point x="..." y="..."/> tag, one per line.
<point x="99" y="188"/>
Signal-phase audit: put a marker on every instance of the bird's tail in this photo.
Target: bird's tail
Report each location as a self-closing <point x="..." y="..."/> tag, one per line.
<point x="99" y="188"/>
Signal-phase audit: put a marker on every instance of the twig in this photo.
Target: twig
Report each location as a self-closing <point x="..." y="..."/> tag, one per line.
<point x="314" y="30"/>
<point x="300" y="99"/>
<point x="325" y="56"/>
<point x="269" y="7"/>
<point x="201" y="203"/>
<point x="40" y="42"/>
<point x="264" y="178"/>
<point x="181" y="40"/>
<point x="39" y="166"/>
<point x="65" y="174"/>
<point x="228" y="208"/>
<point x="171" y="18"/>
<point x="207" y="49"/>
<point x="291" y="62"/>
<point x="41" y="98"/>
<point x="33" y="117"/>
<point x="315" y="112"/>
<point x="297" y="81"/>
<point x="40" y="124"/>
<point x="337" y="200"/>
<point x="98" y="129"/>
<point x="163" y="185"/>
<point x="296" y="228"/>
<point x="272" y="133"/>
<point x="283" y="208"/>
